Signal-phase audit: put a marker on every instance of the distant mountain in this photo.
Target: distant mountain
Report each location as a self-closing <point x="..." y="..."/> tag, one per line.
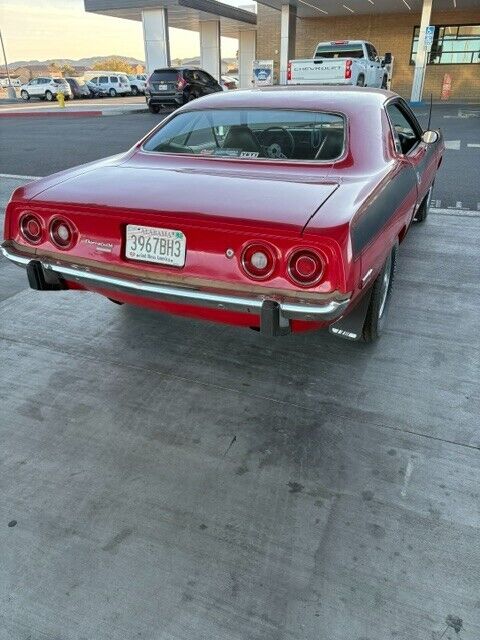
<point x="83" y="62"/>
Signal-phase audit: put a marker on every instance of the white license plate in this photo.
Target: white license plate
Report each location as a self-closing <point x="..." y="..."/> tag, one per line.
<point x="162" y="87"/>
<point x="153" y="244"/>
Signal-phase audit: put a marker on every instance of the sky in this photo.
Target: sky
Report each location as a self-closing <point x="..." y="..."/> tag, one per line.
<point x="44" y="29"/>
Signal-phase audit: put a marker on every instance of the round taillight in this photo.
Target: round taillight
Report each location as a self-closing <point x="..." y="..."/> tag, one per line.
<point x="31" y="228"/>
<point x="305" y="267"/>
<point x="258" y="261"/>
<point x="62" y="233"/>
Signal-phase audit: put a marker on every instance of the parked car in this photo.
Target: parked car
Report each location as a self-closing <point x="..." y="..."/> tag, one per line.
<point x="14" y="82"/>
<point x="228" y="83"/>
<point x="96" y="91"/>
<point x="175" y="86"/>
<point x="342" y="62"/>
<point x="322" y="186"/>
<point x="138" y="83"/>
<point x="45" y="89"/>
<point x="112" y="85"/>
<point x="79" y="88"/>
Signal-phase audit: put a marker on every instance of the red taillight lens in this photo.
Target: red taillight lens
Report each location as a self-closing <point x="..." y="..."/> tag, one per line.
<point x="348" y="69"/>
<point x="181" y="83"/>
<point x="31" y="228"/>
<point x="62" y="233"/>
<point x="258" y="261"/>
<point x="289" y="71"/>
<point x="305" y="267"/>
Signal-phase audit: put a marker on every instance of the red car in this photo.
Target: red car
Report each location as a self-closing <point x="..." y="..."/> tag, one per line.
<point x="279" y="209"/>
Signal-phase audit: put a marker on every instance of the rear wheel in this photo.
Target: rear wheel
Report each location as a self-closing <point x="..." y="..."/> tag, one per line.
<point x="24" y="95"/>
<point x="422" y="211"/>
<point x="112" y="93"/>
<point x="134" y="91"/>
<point x="361" y="81"/>
<point x="192" y="96"/>
<point x="380" y="299"/>
<point x="48" y="96"/>
<point x="153" y="108"/>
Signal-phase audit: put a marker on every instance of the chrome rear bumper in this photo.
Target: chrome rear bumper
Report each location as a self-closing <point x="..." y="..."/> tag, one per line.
<point x="287" y="309"/>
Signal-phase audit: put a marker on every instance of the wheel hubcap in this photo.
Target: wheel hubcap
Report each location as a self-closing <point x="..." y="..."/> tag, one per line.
<point x="385" y="285"/>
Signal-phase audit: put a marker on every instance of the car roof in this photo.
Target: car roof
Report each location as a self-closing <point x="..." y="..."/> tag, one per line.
<point x="341" y="98"/>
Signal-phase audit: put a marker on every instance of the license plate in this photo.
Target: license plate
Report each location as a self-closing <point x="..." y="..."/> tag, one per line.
<point x="162" y="87"/>
<point x="153" y="244"/>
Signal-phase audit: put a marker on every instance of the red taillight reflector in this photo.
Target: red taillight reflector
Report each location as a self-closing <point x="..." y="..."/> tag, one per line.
<point x="289" y="71"/>
<point x="62" y="233"/>
<point x="305" y="267"/>
<point x="348" y="69"/>
<point x="31" y="228"/>
<point x="258" y="261"/>
<point x="181" y="83"/>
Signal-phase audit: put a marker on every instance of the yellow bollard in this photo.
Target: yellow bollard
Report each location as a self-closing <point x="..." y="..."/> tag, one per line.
<point x="61" y="99"/>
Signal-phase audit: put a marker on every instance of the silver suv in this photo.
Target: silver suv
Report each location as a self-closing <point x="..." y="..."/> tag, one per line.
<point x="45" y="89"/>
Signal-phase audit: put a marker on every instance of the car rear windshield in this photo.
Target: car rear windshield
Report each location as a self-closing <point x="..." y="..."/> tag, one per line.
<point x="166" y="75"/>
<point x="340" y="51"/>
<point x="276" y="134"/>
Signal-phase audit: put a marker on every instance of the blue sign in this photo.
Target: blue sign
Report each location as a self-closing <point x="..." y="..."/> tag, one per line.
<point x="429" y="33"/>
<point x="262" y="72"/>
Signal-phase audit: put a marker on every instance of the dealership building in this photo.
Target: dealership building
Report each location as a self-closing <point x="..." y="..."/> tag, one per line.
<point x="280" y="31"/>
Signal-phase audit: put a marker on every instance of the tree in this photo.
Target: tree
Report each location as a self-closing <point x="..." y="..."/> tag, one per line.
<point x="54" y="69"/>
<point x="68" y="70"/>
<point x="113" y="64"/>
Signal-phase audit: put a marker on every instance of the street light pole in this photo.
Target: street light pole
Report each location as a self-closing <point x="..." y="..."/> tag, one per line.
<point x="11" y="90"/>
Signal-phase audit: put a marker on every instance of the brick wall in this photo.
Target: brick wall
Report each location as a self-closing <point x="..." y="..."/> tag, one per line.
<point x="388" y="32"/>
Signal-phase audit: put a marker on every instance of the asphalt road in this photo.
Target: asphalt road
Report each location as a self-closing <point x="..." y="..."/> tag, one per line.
<point x="39" y="146"/>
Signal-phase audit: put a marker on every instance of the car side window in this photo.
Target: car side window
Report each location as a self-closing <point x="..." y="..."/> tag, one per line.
<point x="209" y="79"/>
<point x="370" y="52"/>
<point x="114" y="79"/>
<point x="406" y="134"/>
<point x="103" y="79"/>
<point x="94" y="80"/>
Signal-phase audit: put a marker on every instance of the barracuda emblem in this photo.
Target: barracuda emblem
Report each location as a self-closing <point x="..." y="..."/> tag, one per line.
<point x="106" y="247"/>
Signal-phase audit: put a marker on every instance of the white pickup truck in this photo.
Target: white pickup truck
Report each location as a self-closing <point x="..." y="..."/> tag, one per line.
<point x="342" y="62"/>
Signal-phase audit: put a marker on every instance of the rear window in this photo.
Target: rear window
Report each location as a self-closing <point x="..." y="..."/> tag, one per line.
<point x="340" y="51"/>
<point x="276" y="134"/>
<point x="167" y="75"/>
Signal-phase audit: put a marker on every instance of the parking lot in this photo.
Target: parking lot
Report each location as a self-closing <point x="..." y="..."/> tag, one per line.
<point x="166" y="479"/>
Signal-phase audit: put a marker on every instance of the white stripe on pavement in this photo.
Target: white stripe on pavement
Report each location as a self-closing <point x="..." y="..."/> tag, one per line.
<point x="452" y="144"/>
<point x="473" y="144"/>
<point x="470" y="213"/>
<point x="14" y="176"/>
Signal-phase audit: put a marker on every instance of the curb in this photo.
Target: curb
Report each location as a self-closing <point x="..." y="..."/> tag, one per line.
<point x="70" y="114"/>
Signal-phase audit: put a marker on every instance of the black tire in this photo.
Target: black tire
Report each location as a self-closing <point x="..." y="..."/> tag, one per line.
<point x="384" y="82"/>
<point x="380" y="299"/>
<point x="361" y="81"/>
<point x="423" y="209"/>
<point x="153" y="108"/>
<point x="48" y="96"/>
<point x="134" y="91"/>
<point x="24" y="95"/>
<point x="112" y="93"/>
<point x="192" y="96"/>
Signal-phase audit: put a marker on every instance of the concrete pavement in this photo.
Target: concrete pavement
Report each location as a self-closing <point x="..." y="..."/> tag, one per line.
<point x="178" y="480"/>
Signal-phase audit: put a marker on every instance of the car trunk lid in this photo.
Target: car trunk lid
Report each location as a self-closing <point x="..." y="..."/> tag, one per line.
<point x="232" y="195"/>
